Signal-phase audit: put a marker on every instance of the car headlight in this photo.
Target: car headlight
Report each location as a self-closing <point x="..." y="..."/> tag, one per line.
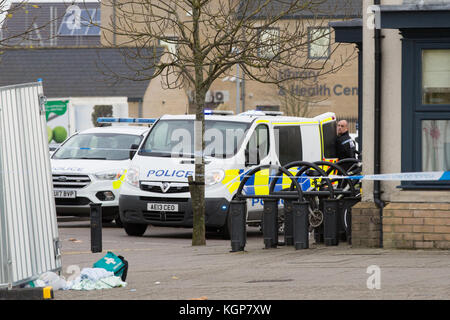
<point x="214" y="176"/>
<point x="109" y="175"/>
<point x="132" y="177"/>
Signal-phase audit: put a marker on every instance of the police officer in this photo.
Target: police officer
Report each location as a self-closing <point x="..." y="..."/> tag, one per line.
<point x="345" y="146"/>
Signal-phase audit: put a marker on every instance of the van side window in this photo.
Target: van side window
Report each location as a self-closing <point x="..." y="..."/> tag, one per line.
<point x="258" y="145"/>
<point x="329" y="140"/>
<point x="288" y="143"/>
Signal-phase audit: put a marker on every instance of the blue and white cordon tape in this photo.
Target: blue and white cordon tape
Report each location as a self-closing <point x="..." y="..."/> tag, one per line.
<point x="404" y="176"/>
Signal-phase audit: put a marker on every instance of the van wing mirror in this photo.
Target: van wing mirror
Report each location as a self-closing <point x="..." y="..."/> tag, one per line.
<point x="133" y="150"/>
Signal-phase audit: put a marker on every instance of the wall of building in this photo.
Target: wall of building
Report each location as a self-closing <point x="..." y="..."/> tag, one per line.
<point x="416" y="225"/>
<point x="335" y="92"/>
<point x="411" y="219"/>
<point x="390" y="113"/>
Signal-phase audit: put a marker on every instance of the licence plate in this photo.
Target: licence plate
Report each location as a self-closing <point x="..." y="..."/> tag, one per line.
<point x="64" y="193"/>
<point x="168" y="207"/>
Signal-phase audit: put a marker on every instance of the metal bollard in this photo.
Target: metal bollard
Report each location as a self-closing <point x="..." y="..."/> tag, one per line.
<point x="96" y="227"/>
<point x="331" y="222"/>
<point x="301" y="225"/>
<point x="345" y="218"/>
<point x="270" y="223"/>
<point x="238" y="210"/>
<point x="288" y="223"/>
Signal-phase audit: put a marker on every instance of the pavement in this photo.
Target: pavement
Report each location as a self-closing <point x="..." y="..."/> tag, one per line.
<point x="163" y="265"/>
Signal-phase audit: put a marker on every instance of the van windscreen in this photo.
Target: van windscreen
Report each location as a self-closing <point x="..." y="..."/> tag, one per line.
<point x="175" y="138"/>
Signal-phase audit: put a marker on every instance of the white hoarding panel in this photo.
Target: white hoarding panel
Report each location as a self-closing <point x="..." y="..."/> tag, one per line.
<point x="29" y="233"/>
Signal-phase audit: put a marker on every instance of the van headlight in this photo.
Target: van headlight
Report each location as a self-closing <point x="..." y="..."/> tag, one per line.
<point x="109" y="175"/>
<point x="132" y="177"/>
<point x="214" y="176"/>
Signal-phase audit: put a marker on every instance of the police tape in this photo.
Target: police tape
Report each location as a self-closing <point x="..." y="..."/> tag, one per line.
<point x="404" y="176"/>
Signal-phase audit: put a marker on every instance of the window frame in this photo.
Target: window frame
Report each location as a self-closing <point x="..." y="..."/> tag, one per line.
<point x="168" y="46"/>
<point x="256" y="134"/>
<point x="414" y="110"/>
<point x="262" y="46"/>
<point x="310" y="42"/>
<point x="87" y="24"/>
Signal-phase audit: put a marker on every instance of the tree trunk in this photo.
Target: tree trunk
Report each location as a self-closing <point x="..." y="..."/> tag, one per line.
<point x="197" y="185"/>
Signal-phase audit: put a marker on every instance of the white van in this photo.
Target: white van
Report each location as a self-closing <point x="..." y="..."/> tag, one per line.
<point x="156" y="190"/>
<point x="89" y="167"/>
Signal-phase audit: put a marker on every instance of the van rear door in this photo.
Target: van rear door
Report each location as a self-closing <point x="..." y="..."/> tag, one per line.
<point x="328" y="132"/>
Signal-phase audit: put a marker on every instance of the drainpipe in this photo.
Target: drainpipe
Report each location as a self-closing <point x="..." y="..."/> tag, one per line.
<point x="377" y="127"/>
<point x="360" y="98"/>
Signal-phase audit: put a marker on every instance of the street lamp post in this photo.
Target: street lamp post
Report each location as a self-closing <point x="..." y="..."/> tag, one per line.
<point x="240" y="89"/>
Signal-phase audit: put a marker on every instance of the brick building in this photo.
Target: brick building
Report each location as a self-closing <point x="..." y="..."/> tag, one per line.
<point x="337" y="92"/>
<point x="406" y="123"/>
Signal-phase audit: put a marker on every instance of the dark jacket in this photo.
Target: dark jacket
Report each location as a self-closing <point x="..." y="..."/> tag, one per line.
<point x="345" y="146"/>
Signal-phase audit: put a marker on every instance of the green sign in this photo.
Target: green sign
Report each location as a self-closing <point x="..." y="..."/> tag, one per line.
<point x="57" y="120"/>
<point x="58" y="107"/>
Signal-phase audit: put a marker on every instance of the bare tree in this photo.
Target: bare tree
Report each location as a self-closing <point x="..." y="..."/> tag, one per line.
<point x="212" y="36"/>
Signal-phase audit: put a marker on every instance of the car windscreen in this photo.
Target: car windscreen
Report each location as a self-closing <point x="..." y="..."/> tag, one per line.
<point x="100" y="146"/>
<point x="175" y="138"/>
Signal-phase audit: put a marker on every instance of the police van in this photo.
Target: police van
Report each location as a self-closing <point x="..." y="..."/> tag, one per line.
<point x="89" y="167"/>
<point x="156" y="190"/>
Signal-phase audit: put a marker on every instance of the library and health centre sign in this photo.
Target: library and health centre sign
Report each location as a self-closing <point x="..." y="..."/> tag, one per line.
<point x="306" y="84"/>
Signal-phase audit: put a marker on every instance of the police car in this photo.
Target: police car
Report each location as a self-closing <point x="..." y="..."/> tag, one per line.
<point x="156" y="190"/>
<point x="89" y="167"/>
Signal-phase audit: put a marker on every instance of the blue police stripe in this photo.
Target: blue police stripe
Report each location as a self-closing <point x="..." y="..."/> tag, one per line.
<point x="445" y="176"/>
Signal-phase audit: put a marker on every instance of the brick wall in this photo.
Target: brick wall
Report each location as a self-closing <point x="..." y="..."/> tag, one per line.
<point x="416" y="225"/>
<point x="366" y="225"/>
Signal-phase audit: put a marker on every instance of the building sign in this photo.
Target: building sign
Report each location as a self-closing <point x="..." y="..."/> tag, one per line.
<point x="311" y="88"/>
<point x="57" y="116"/>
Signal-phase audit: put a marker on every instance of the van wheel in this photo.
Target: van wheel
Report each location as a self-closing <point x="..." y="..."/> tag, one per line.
<point x="134" y="229"/>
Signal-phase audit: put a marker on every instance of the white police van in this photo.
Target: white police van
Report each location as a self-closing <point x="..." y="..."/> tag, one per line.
<point x="89" y="167"/>
<point x="156" y="190"/>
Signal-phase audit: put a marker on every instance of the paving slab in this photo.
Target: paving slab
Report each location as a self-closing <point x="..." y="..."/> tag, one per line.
<point x="163" y="265"/>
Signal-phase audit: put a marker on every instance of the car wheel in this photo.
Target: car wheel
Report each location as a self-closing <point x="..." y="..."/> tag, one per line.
<point x="135" y="229"/>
